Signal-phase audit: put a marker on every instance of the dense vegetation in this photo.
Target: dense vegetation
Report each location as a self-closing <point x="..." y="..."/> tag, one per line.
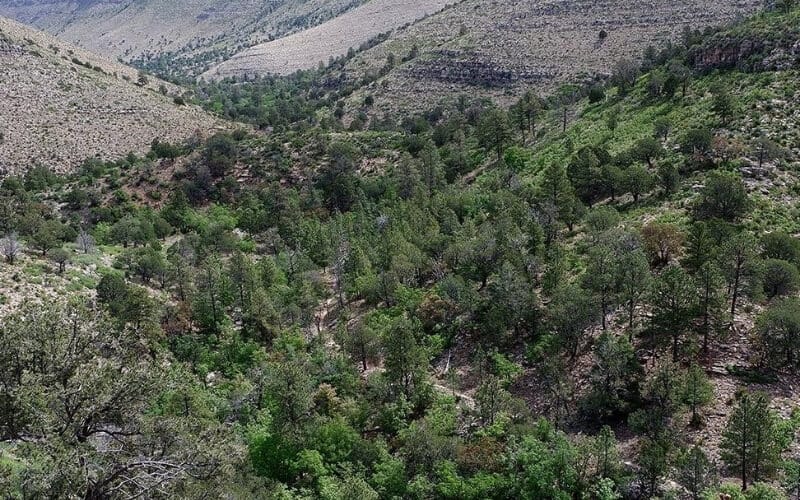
<point x="473" y="303"/>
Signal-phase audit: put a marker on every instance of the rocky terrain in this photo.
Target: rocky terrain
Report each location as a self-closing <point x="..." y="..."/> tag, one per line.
<point x="191" y="31"/>
<point x="60" y="104"/>
<point x="306" y="49"/>
<point x="505" y="47"/>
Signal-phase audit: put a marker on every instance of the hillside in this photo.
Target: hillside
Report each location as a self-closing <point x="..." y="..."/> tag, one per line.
<point x="187" y="33"/>
<point x="587" y="298"/>
<point x="332" y="39"/>
<point x="501" y="49"/>
<point x="60" y="104"/>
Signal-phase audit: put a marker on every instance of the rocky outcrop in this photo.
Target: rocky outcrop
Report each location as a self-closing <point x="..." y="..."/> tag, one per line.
<point x="748" y="54"/>
<point x="454" y="67"/>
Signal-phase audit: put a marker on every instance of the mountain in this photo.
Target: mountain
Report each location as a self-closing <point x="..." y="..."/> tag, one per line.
<point x="502" y="48"/>
<point x="60" y="104"/>
<point x="190" y="32"/>
<point x="334" y="38"/>
<point x="473" y="301"/>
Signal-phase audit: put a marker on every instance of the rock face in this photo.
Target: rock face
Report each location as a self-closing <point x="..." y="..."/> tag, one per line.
<point x="749" y="54"/>
<point x="306" y="49"/>
<point x="60" y="104"/>
<point x="192" y="32"/>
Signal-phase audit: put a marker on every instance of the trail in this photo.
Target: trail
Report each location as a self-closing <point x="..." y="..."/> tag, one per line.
<point x="326" y="318"/>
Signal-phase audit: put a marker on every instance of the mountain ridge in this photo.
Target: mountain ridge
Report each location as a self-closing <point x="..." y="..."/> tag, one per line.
<point x="60" y="104"/>
<point x="191" y="32"/>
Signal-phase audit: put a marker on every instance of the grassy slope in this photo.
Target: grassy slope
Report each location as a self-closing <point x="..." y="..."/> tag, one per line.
<point x="765" y="109"/>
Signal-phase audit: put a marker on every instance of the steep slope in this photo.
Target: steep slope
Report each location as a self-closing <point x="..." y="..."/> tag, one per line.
<point x="504" y="47"/>
<point x="334" y="38"/>
<point x="190" y="31"/>
<point x="60" y="105"/>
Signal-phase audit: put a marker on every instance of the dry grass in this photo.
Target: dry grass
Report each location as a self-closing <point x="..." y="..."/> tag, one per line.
<point x="128" y="29"/>
<point x="306" y="49"/>
<point x="57" y="112"/>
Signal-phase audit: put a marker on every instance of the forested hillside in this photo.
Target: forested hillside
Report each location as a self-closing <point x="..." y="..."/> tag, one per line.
<point x="588" y="295"/>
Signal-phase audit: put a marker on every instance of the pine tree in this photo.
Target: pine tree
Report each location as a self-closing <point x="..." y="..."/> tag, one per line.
<point x="711" y="302"/>
<point x="695" y="471"/>
<point x="672" y="300"/>
<point x="604" y="448"/>
<point x="633" y="281"/>
<point x="737" y="259"/>
<point x="750" y="440"/>
<point x="600" y="278"/>
<point x="696" y="391"/>
<point x="405" y="358"/>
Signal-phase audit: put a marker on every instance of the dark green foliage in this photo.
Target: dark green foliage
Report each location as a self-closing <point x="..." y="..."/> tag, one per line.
<point x="50" y="234"/>
<point x="597" y="94"/>
<point x="697" y="142"/>
<point x="637" y="181"/>
<point x="160" y="149"/>
<point x="695" y="471"/>
<point x="750" y="445"/>
<point x="570" y="312"/>
<point x="673" y="302"/>
<point x="780" y="245"/>
<point x="723" y="197"/>
<point x="696" y="392"/>
<point x="309" y="332"/>
<point x="661" y="128"/>
<point x="338" y="180"/>
<point x="710" y="302"/>
<point x="779" y="333"/>
<point x="614" y="379"/>
<point x="85" y="379"/>
<point x="406" y="358"/>
<point x="589" y="173"/>
<point x="737" y="260"/>
<point x="780" y="278"/>
<point x="600" y="278"/>
<point x="647" y="150"/>
<point x="633" y="281"/>
<point x="723" y="104"/>
<point x="494" y="131"/>
<point x="220" y="154"/>
<point x="61" y="257"/>
<point x="654" y="460"/>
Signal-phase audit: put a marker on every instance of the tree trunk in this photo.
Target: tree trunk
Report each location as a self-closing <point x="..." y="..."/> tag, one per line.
<point x="735" y="291"/>
<point x="675" y="347"/>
